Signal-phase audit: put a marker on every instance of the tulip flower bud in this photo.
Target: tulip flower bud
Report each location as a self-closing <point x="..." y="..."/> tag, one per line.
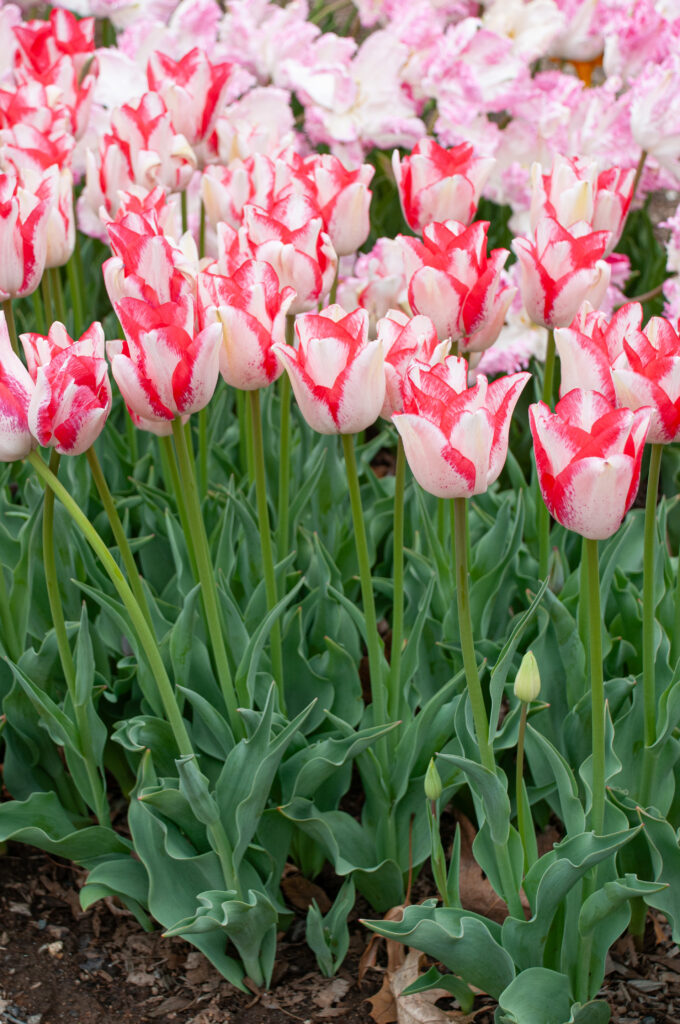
<point x="528" y="679"/>
<point x="433" y="782"/>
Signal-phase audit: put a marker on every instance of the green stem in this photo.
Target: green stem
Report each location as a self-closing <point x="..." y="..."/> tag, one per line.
<point x="47" y="298"/>
<point x="203" y="451"/>
<point x="80" y="276"/>
<point x="38" y="313"/>
<point x="76" y="296"/>
<point x="207" y="580"/>
<point x="8" y="310"/>
<point x="225" y="854"/>
<point x="583" y="620"/>
<point x="460" y="510"/>
<point x="334" y="287"/>
<point x="10" y="637"/>
<point x="57" y="294"/>
<point x="638" y="171"/>
<point x="107" y="501"/>
<point x="171" y="478"/>
<point x="52" y="581"/>
<point x="675" y="640"/>
<point x="146" y="639"/>
<point x="596" y="686"/>
<point x="185" y="211"/>
<point x="284" y="452"/>
<point x="441" y="521"/>
<point x="542" y="514"/>
<point x="584" y="968"/>
<point x="266" y="540"/>
<point x="648" y="666"/>
<point x="201" y="232"/>
<point x="372" y="636"/>
<point x="519" y="779"/>
<point x="394" y="697"/>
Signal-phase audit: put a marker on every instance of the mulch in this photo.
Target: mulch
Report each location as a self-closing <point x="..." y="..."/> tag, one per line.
<point x="60" y="965"/>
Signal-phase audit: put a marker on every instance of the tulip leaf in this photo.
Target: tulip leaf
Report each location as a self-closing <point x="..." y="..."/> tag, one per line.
<point x="124" y="877"/>
<point x="462" y="941"/>
<point x="540" y="996"/>
<point x="665" y="850"/>
<point x="492" y="792"/>
<point x="449" y="982"/>
<point x="547" y="764"/>
<point x="602" y="906"/>
<point x="328" y="936"/>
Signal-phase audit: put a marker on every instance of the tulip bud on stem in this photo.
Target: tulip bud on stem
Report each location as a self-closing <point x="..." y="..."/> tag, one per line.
<point x="433" y="791"/>
<point x="542" y="514"/>
<point x="527" y="688"/>
<point x="598" y="746"/>
<point x="474" y="687"/>
<point x="266" y="539"/>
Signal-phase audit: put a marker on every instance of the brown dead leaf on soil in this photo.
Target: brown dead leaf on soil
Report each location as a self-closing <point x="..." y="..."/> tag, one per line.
<point x="395" y="950"/>
<point x="389" y="1006"/>
<point x="300" y="892"/>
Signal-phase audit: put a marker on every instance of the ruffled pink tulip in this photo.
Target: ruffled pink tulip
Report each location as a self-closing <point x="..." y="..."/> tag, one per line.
<point x="574" y="191"/>
<point x="336" y="373"/>
<point x="456" y="438"/>
<point x="457" y="285"/>
<point x="437" y="184"/>
<point x="404" y="339"/>
<point x="72" y="397"/>
<point x="16" y="389"/>
<point x="251" y="311"/>
<point x="591" y="344"/>
<point x="588" y="457"/>
<point x="560" y="271"/>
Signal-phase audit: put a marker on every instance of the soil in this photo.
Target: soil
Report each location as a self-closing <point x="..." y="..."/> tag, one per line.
<point x="60" y="965"/>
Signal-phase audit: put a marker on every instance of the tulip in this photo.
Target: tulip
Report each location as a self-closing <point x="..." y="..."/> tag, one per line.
<point x="72" y="397"/>
<point x="647" y="373"/>
<point x="560" y="271"/>
<point x="590" y="345"/>
<point x="344" y="198"/>
<point x="24" y="219"/>
<point x="405" y="339"/>
<point x="437" y="184"/>
<point x="455" y="437"/>
<point x="457" y="284"/>
<point x="588" y="457"/>
<point x="337" y="375"/>
<point x="574" y="191"/>
<point x="251" y="311"/>
<point x="16" y="389"/>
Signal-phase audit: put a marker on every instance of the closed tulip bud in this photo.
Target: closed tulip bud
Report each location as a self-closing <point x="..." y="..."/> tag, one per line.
<point x="433" y="782"/>
<point x="528" y="679"/>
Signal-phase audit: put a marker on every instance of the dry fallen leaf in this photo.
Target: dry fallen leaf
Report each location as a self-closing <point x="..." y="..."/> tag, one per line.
<point x="332" y="993"/>
<point x="388" y="1005"/>
<point x="395" y="950"/>
<point x="300" y="892"/>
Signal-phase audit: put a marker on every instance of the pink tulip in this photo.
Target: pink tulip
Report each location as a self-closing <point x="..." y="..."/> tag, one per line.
<point x="344" y="199"/>
<point x="24" y="218"/>
<point x="591" y="344"/>
<point x="16" y="389"/>
<point x="72" y="397"/>
<point x="647" y="373"/>
<point x="560" y="271"/>
<point x="43" y="43"/>
<point x="336" y="373"/>
<point x="251" y="311"/>
<point x="456" y="438"/>
<point x="588" y="457"/>
<point x="575" y="191"/>
<point x="437" y="184"/>
<point x="405" y="339"/>
<point x="457" y="285"/>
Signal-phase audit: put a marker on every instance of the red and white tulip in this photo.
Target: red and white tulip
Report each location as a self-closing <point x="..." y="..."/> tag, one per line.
<point x="437" y="184"/>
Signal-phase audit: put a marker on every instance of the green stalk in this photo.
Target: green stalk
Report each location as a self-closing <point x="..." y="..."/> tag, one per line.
<point x="460" y="511"/>
<point x="598" y="746"/>
<point x="542" y="514"/>
<point x="648" y="666"/>
<point x="185" y="211"/>
<point x="8" y="310"/>
<point x="519" y="780"/>
<point x="207" y="580"/>
<point x="171" y="478"/>
<point x="57" y="294"/>
<point x="76" y="296"/>
<point x="467" y="643"/>
<point x="675" y="639"/>
<point x="441" y="521"/>
<point x="203" y="451"/>
<point x="146" y="638"/>
<point x="372" y="636"/>
<point x="47" y="297"/>
<point x="334" y="287"/>
<point x="38" y="313"/>
<point x="266" y="540"/>
<point x="245" y="438"/>
<point x="97" y="785"/>
<point x="201" y="232"/>
<point x="107" y="501"/>
<point x="9" y="633"/>
<point x="394" y="697"/>
<point x="284" y="451"/>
